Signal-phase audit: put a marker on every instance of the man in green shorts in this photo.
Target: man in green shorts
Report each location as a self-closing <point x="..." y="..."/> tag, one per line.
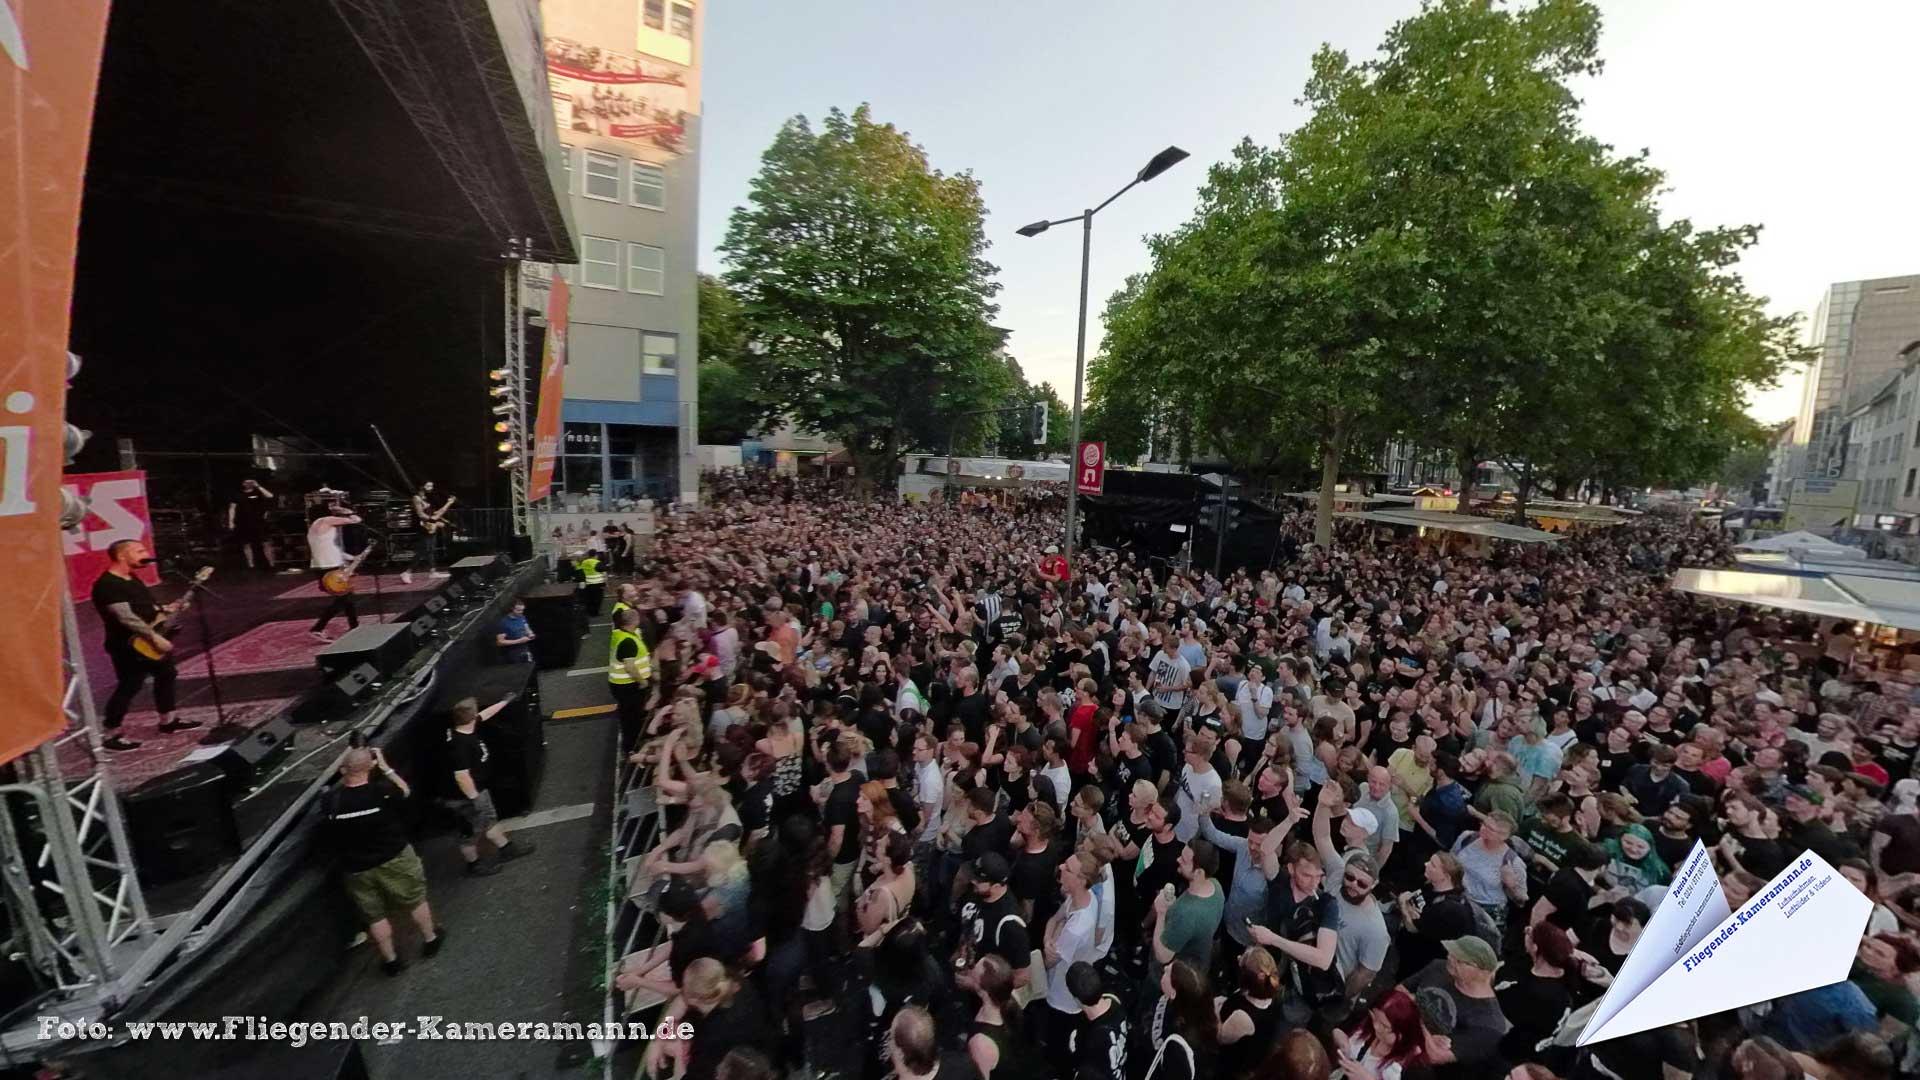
<point x="366" y="821"/>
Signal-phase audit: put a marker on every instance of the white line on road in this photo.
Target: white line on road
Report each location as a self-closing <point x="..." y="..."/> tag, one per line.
<point x="553" y="816"/>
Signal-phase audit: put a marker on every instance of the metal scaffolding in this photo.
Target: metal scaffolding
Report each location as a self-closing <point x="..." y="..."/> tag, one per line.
<point x="65" y="860"/>
<point x="519" y="431"/>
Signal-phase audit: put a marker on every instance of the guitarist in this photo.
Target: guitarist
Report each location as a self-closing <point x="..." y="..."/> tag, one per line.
<point x="426" y="518"/>
<point x="128" y="612"/>
<point x="323" y="542"/>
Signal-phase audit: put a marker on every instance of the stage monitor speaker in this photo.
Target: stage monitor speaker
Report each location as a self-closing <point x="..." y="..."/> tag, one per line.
<point x="480" y="567"/>
<point x="515" y="736"/>
<point x="181" y="824"/>
<point x="249" y="758"/>
<point x="334" y="698"/>
<point x="553" y="615"/>
<point x="386" y="646"/>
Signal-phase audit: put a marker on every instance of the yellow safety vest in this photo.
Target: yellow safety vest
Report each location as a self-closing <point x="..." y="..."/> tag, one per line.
<point x="590" y="574"/>
<point x="617" y="672"/>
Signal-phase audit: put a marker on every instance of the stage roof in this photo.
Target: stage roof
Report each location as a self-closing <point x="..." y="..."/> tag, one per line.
<point x="1884" y="601"/>
<point x="1446" y="521"/>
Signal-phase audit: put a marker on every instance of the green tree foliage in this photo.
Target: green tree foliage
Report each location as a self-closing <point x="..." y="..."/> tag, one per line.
<point x="864" y="288"/>
<point x="730" y="410"/>
<point x="1440" y="254"/>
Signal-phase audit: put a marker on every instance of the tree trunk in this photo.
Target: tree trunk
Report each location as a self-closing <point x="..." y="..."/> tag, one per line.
<point x="1522" y="493"/>
<point x="1329" y="476"/>
<point x="1466" y="462"/>
<point x="1560" y="487"/>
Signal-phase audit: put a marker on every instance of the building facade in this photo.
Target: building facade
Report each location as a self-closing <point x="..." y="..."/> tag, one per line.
<point x="625" y="82"/>
<point x="1859" y="329"/>
<point x="1875" y="433"/>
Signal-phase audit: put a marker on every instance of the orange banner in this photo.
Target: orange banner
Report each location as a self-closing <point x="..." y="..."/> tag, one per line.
<point x="49" y="66"/>
<point x="553" y="367"/>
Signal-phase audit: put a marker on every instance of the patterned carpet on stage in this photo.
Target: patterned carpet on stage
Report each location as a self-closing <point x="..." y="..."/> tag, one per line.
<point x="159" y="753"/>
<point x="280" y="645"/>
<point x="390" y="584"/>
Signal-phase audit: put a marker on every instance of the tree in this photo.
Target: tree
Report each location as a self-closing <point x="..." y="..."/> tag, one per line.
<point x="864" y="288"/>
<point x="1746" y="465"/>
<point x="730" y="410"/>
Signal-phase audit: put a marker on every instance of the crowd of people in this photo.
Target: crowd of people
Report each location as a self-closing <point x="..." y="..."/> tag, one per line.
<point x="936" y="805"/>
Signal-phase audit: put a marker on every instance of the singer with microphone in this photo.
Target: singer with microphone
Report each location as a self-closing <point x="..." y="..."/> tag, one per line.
<point x="128" y="612"/>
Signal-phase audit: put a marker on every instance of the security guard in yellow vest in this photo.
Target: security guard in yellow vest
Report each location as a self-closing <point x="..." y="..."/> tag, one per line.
<point x="629" y="673"/>
<point x="593" y="581"/>
<point x="621" y="601"/>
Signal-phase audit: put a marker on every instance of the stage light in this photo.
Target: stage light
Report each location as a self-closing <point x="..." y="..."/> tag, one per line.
<point x="503" y="408"/>
<point x="500" y="391"/>
<point x="502" y="427"/>
<point x="505" y="446"/>
<point x="509" y="462"/>
<point x="498" y="374"/>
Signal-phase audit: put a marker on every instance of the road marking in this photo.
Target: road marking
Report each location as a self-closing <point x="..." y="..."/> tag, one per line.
<point x="590" y="710"/>
<point x="588" y="671"/>
<point x="553" y="816"/>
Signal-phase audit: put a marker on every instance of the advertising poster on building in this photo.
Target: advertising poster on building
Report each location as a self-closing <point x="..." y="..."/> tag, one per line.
<point x="49" y="65"/>
<point x="553" y="367"/>
<point x="637" y="99"/>
<point x="1820" y="504"/>
<point x="116" y="510"/>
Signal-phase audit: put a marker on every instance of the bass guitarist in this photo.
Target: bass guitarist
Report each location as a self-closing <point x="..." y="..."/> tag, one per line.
<point x="128" y="612"/>
<point x="427" y="520"/>
<point x="323" y="543"/>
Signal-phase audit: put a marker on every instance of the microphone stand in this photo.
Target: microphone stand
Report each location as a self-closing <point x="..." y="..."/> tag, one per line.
<point x="223" y="730"/>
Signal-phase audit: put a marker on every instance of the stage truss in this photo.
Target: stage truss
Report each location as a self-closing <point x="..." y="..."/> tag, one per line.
<point x="519" y="430"/>
<point x="65" y="860"/>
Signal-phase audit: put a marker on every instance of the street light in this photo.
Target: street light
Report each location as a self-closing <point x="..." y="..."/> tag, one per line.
<point x="1162" y="161"/>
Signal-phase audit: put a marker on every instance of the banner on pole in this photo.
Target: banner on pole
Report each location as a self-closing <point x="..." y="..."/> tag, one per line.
<point x="116" y="510"/>
<point x="553" y="367"/>
<point x="1090" y="468"/>
<point x="49" y="66"/>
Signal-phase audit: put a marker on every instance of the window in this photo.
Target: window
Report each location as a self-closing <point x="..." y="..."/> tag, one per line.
<point x="599" y="262"/>
<point x="602" y="179"/>
<point x="648" y="187"/>
<point x="1911" y="473"/>
<point x="566" y="166"/>
<point x="646" y="270"/>
<point x="659" y="353"/>
<point x="682" y="21"/>
<point x="655" y="14"/>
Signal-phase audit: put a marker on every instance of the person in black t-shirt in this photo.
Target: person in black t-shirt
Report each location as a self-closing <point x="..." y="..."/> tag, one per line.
<point x="469" y="765"/>
<point x="247" y="521"/>
<point x="366" y="822"/>
<point x="990" y="921"/>
<point x="840" y="812"/>
<point x="128" y="612"/>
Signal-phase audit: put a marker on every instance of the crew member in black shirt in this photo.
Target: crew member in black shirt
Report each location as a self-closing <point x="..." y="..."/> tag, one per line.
<point x="128" y="612"/>
<point x="366" y="822"/>
<point x="469" y="799"/>
<point x="247" y="521"/>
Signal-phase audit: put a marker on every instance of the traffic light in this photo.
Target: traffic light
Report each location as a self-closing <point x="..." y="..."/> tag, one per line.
<point x="1039" y="423"/>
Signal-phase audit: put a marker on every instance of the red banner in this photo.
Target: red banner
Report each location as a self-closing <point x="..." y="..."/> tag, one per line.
<point x="621" y="77"/>
<point x="116" y="510"/>
<point x="553" y="367"/>
<point x="49" y="66"/>
<point x="1090" y="468"/>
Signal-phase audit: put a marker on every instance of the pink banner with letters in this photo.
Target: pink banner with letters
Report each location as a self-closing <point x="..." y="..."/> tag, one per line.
<point x="118" y="511"/>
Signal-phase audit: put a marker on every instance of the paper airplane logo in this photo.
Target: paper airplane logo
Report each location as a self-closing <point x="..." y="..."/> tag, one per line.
<point x="1697" y="956"/>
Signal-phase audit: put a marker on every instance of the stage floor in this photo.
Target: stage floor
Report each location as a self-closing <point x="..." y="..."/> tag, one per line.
<point x="261" y="650"/>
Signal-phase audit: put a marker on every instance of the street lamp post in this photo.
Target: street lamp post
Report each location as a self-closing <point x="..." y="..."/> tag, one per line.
<point x="1162" y="161"/>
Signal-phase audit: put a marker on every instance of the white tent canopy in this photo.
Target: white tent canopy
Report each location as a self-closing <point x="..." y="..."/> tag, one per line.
<point x="1835" y="596"/>
<point x="1805" y="545"/>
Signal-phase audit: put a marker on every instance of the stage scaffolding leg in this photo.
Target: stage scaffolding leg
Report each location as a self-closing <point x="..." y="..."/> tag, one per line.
<point x="516" y="365"/>
<point x="71" y="891"/>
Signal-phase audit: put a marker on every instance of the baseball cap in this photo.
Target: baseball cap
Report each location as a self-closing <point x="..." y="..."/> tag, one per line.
<point x="1802" y="791"/>
<point x="992" y="868"/>
<point x="1474" y="951"/>
<point x="1366" y="819"/>
<point x="1437" y="1011"/>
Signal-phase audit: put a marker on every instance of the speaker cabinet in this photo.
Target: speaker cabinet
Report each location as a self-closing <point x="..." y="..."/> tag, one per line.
<point x="515" y="736"/>
<point x="554" y="616"/>
<point x="248" y="759"/>
<point x="385" y="646"/>
<point x="181" y="824"/>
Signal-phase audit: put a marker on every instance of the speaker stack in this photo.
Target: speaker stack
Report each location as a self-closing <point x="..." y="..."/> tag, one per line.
<point x="479" y="568"/>
<point x="554" y="615"/>
<point x="385" y="646"/>
<point x="515" y="735"/>
<point x="181" y="824"/>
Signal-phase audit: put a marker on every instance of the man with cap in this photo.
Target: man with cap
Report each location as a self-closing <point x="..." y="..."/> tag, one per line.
<point x="1465" y="975"/>
<point x="990" y="921"/>
<point x="1803" y="830"/>
<point x="1360" y="953"/>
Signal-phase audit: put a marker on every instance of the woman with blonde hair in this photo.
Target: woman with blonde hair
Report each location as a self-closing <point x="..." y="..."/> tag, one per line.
<point x="724" y="1013"/>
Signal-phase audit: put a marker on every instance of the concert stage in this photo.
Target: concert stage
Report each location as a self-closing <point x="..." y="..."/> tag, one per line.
<point x="262" y="653"/>
<point x="253" y="931"/>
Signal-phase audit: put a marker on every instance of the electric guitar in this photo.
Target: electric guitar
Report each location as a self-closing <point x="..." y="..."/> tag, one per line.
<point x="339" y="580"/>
<point x="434" y="522"/>
<point x="165" y="624"/>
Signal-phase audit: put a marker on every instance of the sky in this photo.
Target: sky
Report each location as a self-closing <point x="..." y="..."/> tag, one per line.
<point x="1793" y="116"/>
